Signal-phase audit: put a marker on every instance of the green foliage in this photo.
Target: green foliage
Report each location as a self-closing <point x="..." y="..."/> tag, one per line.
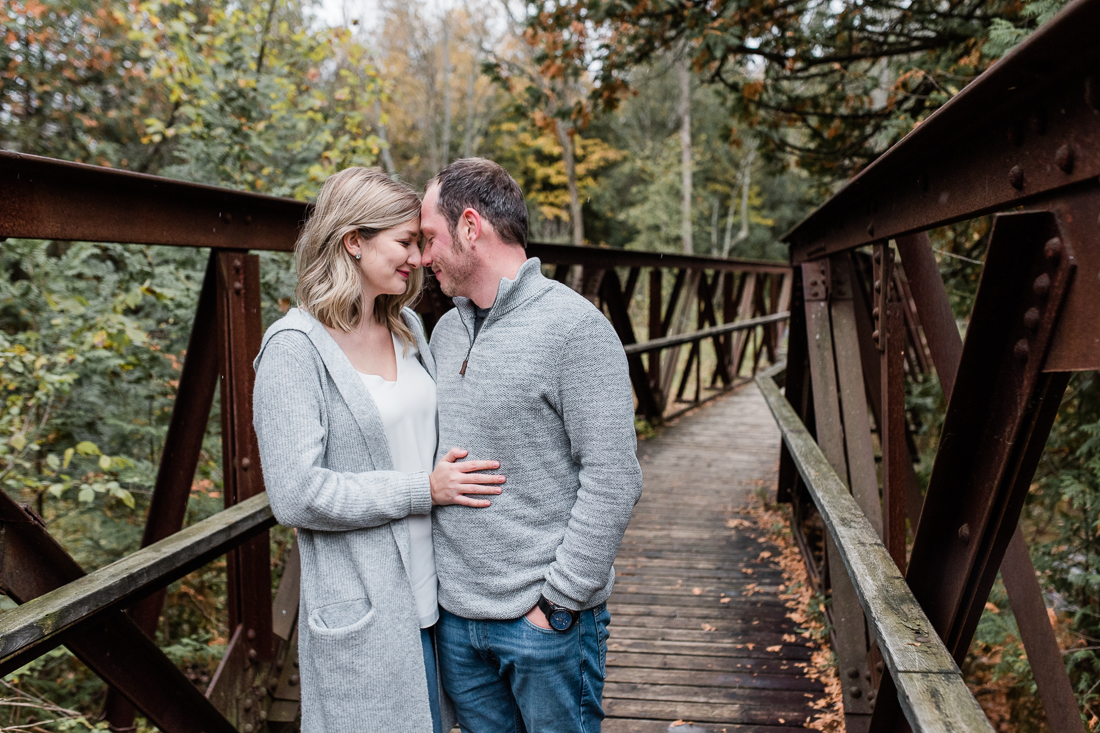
<point x="1004" y="35"/>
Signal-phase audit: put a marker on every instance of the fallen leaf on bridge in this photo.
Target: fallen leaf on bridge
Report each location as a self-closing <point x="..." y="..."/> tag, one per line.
<point x="696" y="591"/>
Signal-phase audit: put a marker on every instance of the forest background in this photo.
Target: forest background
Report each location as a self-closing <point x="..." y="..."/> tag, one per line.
<point x="708" y="127"/>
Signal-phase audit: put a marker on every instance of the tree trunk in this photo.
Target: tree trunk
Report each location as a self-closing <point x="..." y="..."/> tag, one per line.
<point x="566" y="141"/>
<point x="445" y="146"/>
<point x="715" y="204"/>
<point x="685" y="153"/>
<point x="746" y="186"/>
<point x="387" y="158"/>
<point x="471" y="109"/>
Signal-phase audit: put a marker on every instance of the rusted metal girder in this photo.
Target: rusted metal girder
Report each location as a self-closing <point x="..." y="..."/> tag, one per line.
<point x="32" y="563"/>
<point x="612" y="294"/>
<point x="53" y="199"/>
<point x="182" y="445"/>
<point x="239" y="336"/>
<point x="1028" y="125"/>
<point x="604" y="257"/>
<point x="997" y="422"/>
<point x="1024" y="594"/>
<point x="849" y="625"/>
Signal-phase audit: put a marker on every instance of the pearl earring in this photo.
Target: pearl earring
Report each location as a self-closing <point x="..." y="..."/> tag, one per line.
<point x="359" y="255"/>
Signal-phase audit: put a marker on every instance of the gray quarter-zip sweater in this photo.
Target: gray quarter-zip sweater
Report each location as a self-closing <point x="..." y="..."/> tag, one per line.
<point x="546" y="392"/>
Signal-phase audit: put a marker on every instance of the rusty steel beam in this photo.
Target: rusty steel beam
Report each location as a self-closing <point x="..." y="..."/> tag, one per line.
<point x="182" y="445"/>
<point x="32" y="563"/>
<point x="53" y="199"/>
<point x="1028" y="125"/>
<point x="604" y="257"/>
<point x="619" y="315"/>
<point x="1024" y="594"/>
<point x="996" y="425"/>
<point x="239" y="334"/>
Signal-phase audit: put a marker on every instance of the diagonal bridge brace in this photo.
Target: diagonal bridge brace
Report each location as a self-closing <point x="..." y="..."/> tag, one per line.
<point x="32" y="563"/>
<point x="1000" y="414"/>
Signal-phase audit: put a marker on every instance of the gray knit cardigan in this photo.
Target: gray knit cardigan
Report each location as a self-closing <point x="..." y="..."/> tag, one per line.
<point x="329" y="474"/>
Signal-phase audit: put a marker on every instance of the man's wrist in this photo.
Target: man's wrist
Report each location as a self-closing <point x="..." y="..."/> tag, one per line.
<point x="559" y="617"/>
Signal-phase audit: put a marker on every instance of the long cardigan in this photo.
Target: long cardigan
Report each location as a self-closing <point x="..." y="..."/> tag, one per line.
<point x="329" y="473"/>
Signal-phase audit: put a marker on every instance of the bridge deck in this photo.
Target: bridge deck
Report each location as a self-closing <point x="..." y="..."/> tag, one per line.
<point x="678" y="651"/>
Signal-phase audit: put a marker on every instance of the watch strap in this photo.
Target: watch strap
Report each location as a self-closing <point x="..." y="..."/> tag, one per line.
<point x="548" y="609"/>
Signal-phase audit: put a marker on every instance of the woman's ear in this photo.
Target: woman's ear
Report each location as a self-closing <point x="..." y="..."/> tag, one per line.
<point x="353" y="243"/>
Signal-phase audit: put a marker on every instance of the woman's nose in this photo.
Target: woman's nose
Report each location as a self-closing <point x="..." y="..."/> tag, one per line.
<point x="415" y="258"/>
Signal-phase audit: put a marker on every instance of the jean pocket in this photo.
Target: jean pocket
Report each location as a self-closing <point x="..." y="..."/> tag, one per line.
<point x="527" y="622"/>
<point x="602" y="617"/>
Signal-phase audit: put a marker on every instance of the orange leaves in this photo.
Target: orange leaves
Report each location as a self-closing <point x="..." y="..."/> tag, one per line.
<point x="753" y="90"/>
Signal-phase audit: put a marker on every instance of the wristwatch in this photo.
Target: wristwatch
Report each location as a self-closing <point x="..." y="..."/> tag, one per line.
<point x="560" y="618"/>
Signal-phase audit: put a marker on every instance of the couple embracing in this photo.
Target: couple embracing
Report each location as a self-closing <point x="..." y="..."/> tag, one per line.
<point x="458" y="505"/>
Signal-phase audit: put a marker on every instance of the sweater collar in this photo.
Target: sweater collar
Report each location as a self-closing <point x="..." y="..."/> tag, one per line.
<point x="511" y="294"/>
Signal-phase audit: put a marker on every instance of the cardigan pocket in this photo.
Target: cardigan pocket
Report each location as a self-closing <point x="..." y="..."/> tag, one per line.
<point x="338" y="620"/>
<point x="340" y="638"/>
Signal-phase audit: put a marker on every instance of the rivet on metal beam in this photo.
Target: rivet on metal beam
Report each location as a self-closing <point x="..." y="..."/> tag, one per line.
<point x="878" y="286"/>
<point x="252" y="655"/>
<point x="964" y="533"/>
<point x="1053" y="249"/>
<point x="1016" y="177"/>
<point x="853" y="673"/>
<point x="855" y="692"/>
<point x="1031" y="319"/>
<point x="1041" y="286"/>
<point x="228" y="217"/>
<point x="1064" y="158"/>
<point x="237" y="263"/>
<point x="251" y="633"/>
<point x="1021" y="350"/>
<point x="237" y="287"/>
<point x="245" y="465"/>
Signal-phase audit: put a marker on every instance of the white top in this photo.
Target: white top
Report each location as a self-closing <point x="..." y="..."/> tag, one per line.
<point x="408" y="411"/>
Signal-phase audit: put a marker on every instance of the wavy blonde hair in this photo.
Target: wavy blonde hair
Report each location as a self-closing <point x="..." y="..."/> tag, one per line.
<point x="329" y="287"/>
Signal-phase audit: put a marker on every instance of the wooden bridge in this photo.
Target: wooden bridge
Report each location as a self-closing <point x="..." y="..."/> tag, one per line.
<point x="861" y="308"/>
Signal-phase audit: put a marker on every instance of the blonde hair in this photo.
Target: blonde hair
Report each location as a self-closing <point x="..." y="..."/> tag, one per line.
<point x="356" y="199"/>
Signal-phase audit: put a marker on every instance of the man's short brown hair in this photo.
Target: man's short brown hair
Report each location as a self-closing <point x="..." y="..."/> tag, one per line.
<point x="482" y="185"/>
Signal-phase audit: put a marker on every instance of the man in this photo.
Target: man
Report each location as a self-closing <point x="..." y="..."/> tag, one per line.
<point x="532" y="375"/>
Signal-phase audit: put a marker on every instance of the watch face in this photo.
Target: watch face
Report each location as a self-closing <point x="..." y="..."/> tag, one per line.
<point x="560" y="620"/>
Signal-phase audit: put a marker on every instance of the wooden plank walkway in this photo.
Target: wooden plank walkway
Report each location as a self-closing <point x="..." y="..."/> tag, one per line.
<point x="679" y="651"/>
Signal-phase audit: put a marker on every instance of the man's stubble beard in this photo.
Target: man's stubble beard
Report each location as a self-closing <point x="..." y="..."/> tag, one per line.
<point x="460" y="271"/>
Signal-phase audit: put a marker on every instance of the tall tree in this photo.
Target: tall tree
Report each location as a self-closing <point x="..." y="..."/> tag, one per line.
<point x="684" y="75"/>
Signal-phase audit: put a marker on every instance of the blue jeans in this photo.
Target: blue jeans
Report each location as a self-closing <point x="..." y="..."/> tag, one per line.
<point x="433" y="683"/>
<point x="514" y="677"/>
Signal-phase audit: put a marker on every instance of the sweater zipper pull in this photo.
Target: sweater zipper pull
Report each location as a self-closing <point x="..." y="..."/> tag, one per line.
<point x="462" y="371"/>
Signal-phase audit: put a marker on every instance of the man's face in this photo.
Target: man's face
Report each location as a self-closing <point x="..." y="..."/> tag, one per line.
<point x="451" y="260"/>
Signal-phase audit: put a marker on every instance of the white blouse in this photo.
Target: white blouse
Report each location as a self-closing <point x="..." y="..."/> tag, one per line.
<point x="408" y="410"/>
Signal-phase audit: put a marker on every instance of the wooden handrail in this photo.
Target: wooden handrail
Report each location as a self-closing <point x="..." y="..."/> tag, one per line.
<point x="703" y="333"/>
<point x="30" y="630"/>
<point x="930" y="687"/>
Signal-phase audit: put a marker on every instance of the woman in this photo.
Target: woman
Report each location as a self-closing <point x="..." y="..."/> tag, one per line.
<point x="344" y="410"/>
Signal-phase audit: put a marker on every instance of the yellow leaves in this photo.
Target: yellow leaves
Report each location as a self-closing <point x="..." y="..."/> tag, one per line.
<point x="776" y="648"/>
<point x="989" y="606"/>
<point x="696" y="591"/>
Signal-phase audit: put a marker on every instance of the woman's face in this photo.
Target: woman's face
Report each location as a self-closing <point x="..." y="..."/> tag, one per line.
<point x="389" y="257"/>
